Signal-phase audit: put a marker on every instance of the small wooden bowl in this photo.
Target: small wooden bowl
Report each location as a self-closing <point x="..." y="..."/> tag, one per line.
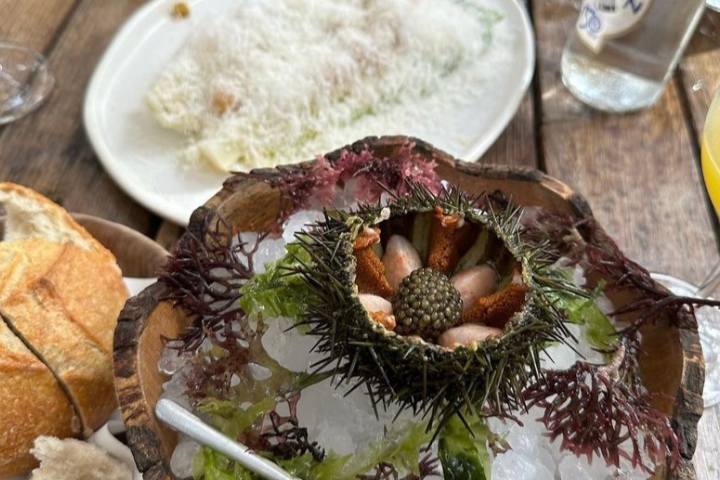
<point x="671" y="362"/>
<point x="137" y="255"/>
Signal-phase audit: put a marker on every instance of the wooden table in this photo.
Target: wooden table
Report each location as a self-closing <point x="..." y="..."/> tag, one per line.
<point x="640" y="172"/>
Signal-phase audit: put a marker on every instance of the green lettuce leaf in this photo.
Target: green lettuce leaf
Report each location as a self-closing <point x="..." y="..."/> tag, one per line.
<point x="211" y="465"/>
<point x="599" y="330"/>
<point x="226" y="416"/>
<point x="464" y="454"/>
<point x="277" y="292"/>
<point x="400" y="447"/>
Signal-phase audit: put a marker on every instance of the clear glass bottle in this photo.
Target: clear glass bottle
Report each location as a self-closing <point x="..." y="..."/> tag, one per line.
<point x="622" y="52"/>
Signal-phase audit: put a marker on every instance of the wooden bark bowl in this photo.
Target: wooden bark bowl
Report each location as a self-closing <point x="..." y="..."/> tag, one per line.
<point x="672" y="361"/>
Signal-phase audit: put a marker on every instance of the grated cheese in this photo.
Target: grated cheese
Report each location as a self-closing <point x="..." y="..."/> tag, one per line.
<point x="279" y="81"/>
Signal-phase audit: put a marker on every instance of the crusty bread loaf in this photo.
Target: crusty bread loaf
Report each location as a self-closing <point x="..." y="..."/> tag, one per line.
<point x="39" y="316"/>
<point x="60" y="294"/>
<point x="70" y="273"/>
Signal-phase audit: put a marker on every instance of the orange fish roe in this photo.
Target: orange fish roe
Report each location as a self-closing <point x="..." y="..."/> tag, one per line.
<point x="495" y="310"/>
<point x="385" y="319"/>
<point x="450" y="235"/>
<point x="370" y="271"/>
<point x="367" y="238"/>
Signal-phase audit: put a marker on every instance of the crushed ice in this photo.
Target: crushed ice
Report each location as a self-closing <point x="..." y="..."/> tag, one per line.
<point x="181" y="462"/>
<point x="348" y="423"/>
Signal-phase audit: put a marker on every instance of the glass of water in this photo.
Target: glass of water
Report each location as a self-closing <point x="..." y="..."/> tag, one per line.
<point x="621" y="53"/>
<point x="25" y="81"/>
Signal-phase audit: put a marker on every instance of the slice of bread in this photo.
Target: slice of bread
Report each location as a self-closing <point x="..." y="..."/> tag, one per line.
<point x="60" y="294"/>
<point x="75" y="460"/>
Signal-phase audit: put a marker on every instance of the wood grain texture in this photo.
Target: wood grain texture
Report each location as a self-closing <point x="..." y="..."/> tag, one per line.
<point x="517" y="144"/>
<point x="168" y="233"/>
<point x="699" y="79"/>
<point x="700" y="69"/>
<point x="33" y="23"/>
<point x="48" y="150"/>
<point x="638" y="171"/>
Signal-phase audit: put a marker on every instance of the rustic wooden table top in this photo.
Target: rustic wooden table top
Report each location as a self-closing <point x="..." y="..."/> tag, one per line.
<point x="640" y="172"/>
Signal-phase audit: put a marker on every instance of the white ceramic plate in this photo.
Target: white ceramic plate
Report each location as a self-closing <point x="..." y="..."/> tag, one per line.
<point x="142" y="157"/>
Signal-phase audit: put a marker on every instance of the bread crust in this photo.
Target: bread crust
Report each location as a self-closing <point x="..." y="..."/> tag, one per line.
<point x="21" y="201"/>
<point x="24" y="377"/>
<point x="66" y="309"/>
<point x="60" y="294"/>
<point x="91" y="292"/>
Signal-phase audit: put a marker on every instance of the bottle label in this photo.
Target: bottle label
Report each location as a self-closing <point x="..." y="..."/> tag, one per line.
<point x="601" y="20"/>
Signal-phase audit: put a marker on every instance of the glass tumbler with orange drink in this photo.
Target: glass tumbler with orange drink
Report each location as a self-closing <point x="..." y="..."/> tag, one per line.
<point x="708" y="321"/>
<point x="710" y="154"/>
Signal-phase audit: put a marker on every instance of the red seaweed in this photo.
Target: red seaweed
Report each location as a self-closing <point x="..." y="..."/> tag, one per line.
<point x="605" y="411"/>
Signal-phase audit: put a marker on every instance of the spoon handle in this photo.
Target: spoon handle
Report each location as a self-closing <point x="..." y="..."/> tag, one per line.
<point x="185" y="422"/>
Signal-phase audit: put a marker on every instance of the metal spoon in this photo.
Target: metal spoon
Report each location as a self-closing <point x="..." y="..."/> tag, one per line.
<point x="185" y="422"/>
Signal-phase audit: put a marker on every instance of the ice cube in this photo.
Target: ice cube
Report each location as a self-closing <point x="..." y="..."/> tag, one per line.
<point x="578" y="468"/>
<point x="342" y="423"/>
<point x="287" y="345"/>
<point x="559" y="356"/>
<point x="175" y="389"/>
<point x="579" y="276"/>
<point x="258" y="372"/>
<point x="347" y="199"/>
<point x="299" y="221"/>
<point x="269" y="250"/>
<point x="181" y="462"/>
<point x="515" y="465"/>
<point x="171" y="359"/>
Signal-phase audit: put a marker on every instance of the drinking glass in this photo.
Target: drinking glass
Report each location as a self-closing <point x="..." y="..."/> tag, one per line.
<point x="708" y="318"/>
<point x="24" y="81"/>
<point x="621" y="53"/>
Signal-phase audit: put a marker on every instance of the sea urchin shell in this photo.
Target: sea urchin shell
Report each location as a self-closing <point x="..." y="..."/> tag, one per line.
<point x="410" y="371"/>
